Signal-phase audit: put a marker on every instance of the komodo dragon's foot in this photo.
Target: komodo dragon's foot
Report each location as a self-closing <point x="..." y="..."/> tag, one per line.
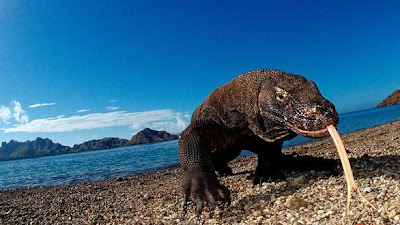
<point x="203" y="186"/>
<point x="259" y="177"/>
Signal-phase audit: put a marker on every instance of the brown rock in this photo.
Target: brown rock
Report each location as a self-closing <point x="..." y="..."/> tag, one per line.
<point x="293" y="202"/>
<point x="393" y="99"/>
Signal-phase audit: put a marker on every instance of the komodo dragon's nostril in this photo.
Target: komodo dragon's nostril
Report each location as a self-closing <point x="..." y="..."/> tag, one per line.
<point x="314" y="114"/>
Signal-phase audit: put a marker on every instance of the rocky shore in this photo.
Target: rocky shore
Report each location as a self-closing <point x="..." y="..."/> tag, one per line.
<point x="303" y="198"/>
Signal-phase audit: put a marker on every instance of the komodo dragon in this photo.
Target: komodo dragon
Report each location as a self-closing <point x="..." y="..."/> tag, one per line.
<point x="256" y="111"/>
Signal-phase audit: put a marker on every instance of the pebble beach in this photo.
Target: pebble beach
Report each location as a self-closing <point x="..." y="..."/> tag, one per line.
<point x="308" y="197"/>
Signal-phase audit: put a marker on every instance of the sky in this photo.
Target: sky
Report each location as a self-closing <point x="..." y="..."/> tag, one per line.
<point x="74" y="71"/>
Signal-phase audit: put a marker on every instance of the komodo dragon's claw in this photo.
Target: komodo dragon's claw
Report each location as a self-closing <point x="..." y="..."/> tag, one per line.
<point x="204" y="188"/>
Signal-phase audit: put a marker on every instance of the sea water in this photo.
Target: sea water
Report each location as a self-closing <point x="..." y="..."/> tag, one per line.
<point x="120" y="162"/>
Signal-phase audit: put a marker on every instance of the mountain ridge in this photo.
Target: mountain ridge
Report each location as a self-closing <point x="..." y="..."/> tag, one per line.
<point x="45" y="147"/>
<point x="148" y="135"/>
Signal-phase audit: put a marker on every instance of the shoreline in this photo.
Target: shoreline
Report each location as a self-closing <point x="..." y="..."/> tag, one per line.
<point x="171" y="166"/>
<point x="156" y="197"/>
<point x="290" y="145"/>
<point x="91" y="150"/>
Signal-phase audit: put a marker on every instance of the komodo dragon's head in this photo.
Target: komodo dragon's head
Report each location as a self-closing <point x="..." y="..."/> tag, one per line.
<point x="296" y="103"/>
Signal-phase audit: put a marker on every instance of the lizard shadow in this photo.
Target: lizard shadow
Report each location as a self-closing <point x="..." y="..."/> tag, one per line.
<point x="378" y="165"/>
<point x="363" y="167"/>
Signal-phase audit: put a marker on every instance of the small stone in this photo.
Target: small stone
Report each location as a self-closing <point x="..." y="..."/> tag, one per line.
<point x="212" y="221"/>
<point x="257" y="213"/>
<point x="295" y="203"/>
<point x="119" y="179"/>
<point x="299" y="181"/>
<point x="392" y="214"/>
<point x="320" y="212"/>
<point x="393" y="206"/>
<point x="330" y="212"/>
<point x="396" y="218"/>
<point x="367" y="190"/>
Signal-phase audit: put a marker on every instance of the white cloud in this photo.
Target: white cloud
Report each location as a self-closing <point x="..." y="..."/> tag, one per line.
<point x="112" y="108"/>
<point x="14" y="111"/>
<point x="165" y="119"/>
<point x="41" y="105"/>
<point x="112" y="101"/>
<point x="173" y="125"/>
<point x="5" y="114"/>
<point x="18" y="113"/>
<point x="83" y="110"/>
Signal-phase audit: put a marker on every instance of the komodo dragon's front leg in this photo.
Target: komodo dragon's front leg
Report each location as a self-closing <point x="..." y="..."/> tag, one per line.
<point x="270" y="159"/>
<point x="201" y="182"/>
<point x="271" y="162"/>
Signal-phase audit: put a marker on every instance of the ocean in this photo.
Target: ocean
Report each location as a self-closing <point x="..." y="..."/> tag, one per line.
<point x="126" y="161"/>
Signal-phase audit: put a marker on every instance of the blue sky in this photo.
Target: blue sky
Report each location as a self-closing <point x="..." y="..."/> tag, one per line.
<point x="80" y="70"/>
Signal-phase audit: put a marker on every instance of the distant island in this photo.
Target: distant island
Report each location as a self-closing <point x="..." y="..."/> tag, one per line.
<point x="46" y="147"/>
<point x="149" y="136"/>
<point x="393" y="99"/>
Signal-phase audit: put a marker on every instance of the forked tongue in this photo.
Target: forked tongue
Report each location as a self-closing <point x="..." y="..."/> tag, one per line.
<point x="348" y="173"/>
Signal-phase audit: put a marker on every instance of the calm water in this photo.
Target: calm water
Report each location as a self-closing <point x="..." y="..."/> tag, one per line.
<point x="119" y="162"/>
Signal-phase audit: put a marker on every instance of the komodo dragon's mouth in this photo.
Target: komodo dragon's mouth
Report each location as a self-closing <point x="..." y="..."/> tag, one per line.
<point x="314" y="128"/>
<point x="312" y="133"/>
<point x="303" y="126"/>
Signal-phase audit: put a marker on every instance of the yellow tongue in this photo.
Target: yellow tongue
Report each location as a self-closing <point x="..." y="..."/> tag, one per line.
<point x="348" y="173"/>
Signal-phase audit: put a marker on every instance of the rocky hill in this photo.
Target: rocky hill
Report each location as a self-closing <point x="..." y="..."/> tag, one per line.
<point x="393" y="99"/>
<point x="31" y="149"/>
<point x="105" y="143"/>
<point x="46" y="147"/>
<point x="149" y="136"/>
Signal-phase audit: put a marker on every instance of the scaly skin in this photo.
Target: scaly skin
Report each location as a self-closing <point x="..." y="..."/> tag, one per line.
<point x="256" y="111"/>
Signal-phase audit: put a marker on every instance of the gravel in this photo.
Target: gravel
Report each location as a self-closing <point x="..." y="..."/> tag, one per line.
<point x="309" y="197"/>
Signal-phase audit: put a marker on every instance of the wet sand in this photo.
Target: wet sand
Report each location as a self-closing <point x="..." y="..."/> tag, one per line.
<point x="308" y="197"/>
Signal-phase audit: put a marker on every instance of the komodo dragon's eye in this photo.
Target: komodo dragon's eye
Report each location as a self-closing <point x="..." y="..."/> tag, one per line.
<point x="280" y="94"/>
